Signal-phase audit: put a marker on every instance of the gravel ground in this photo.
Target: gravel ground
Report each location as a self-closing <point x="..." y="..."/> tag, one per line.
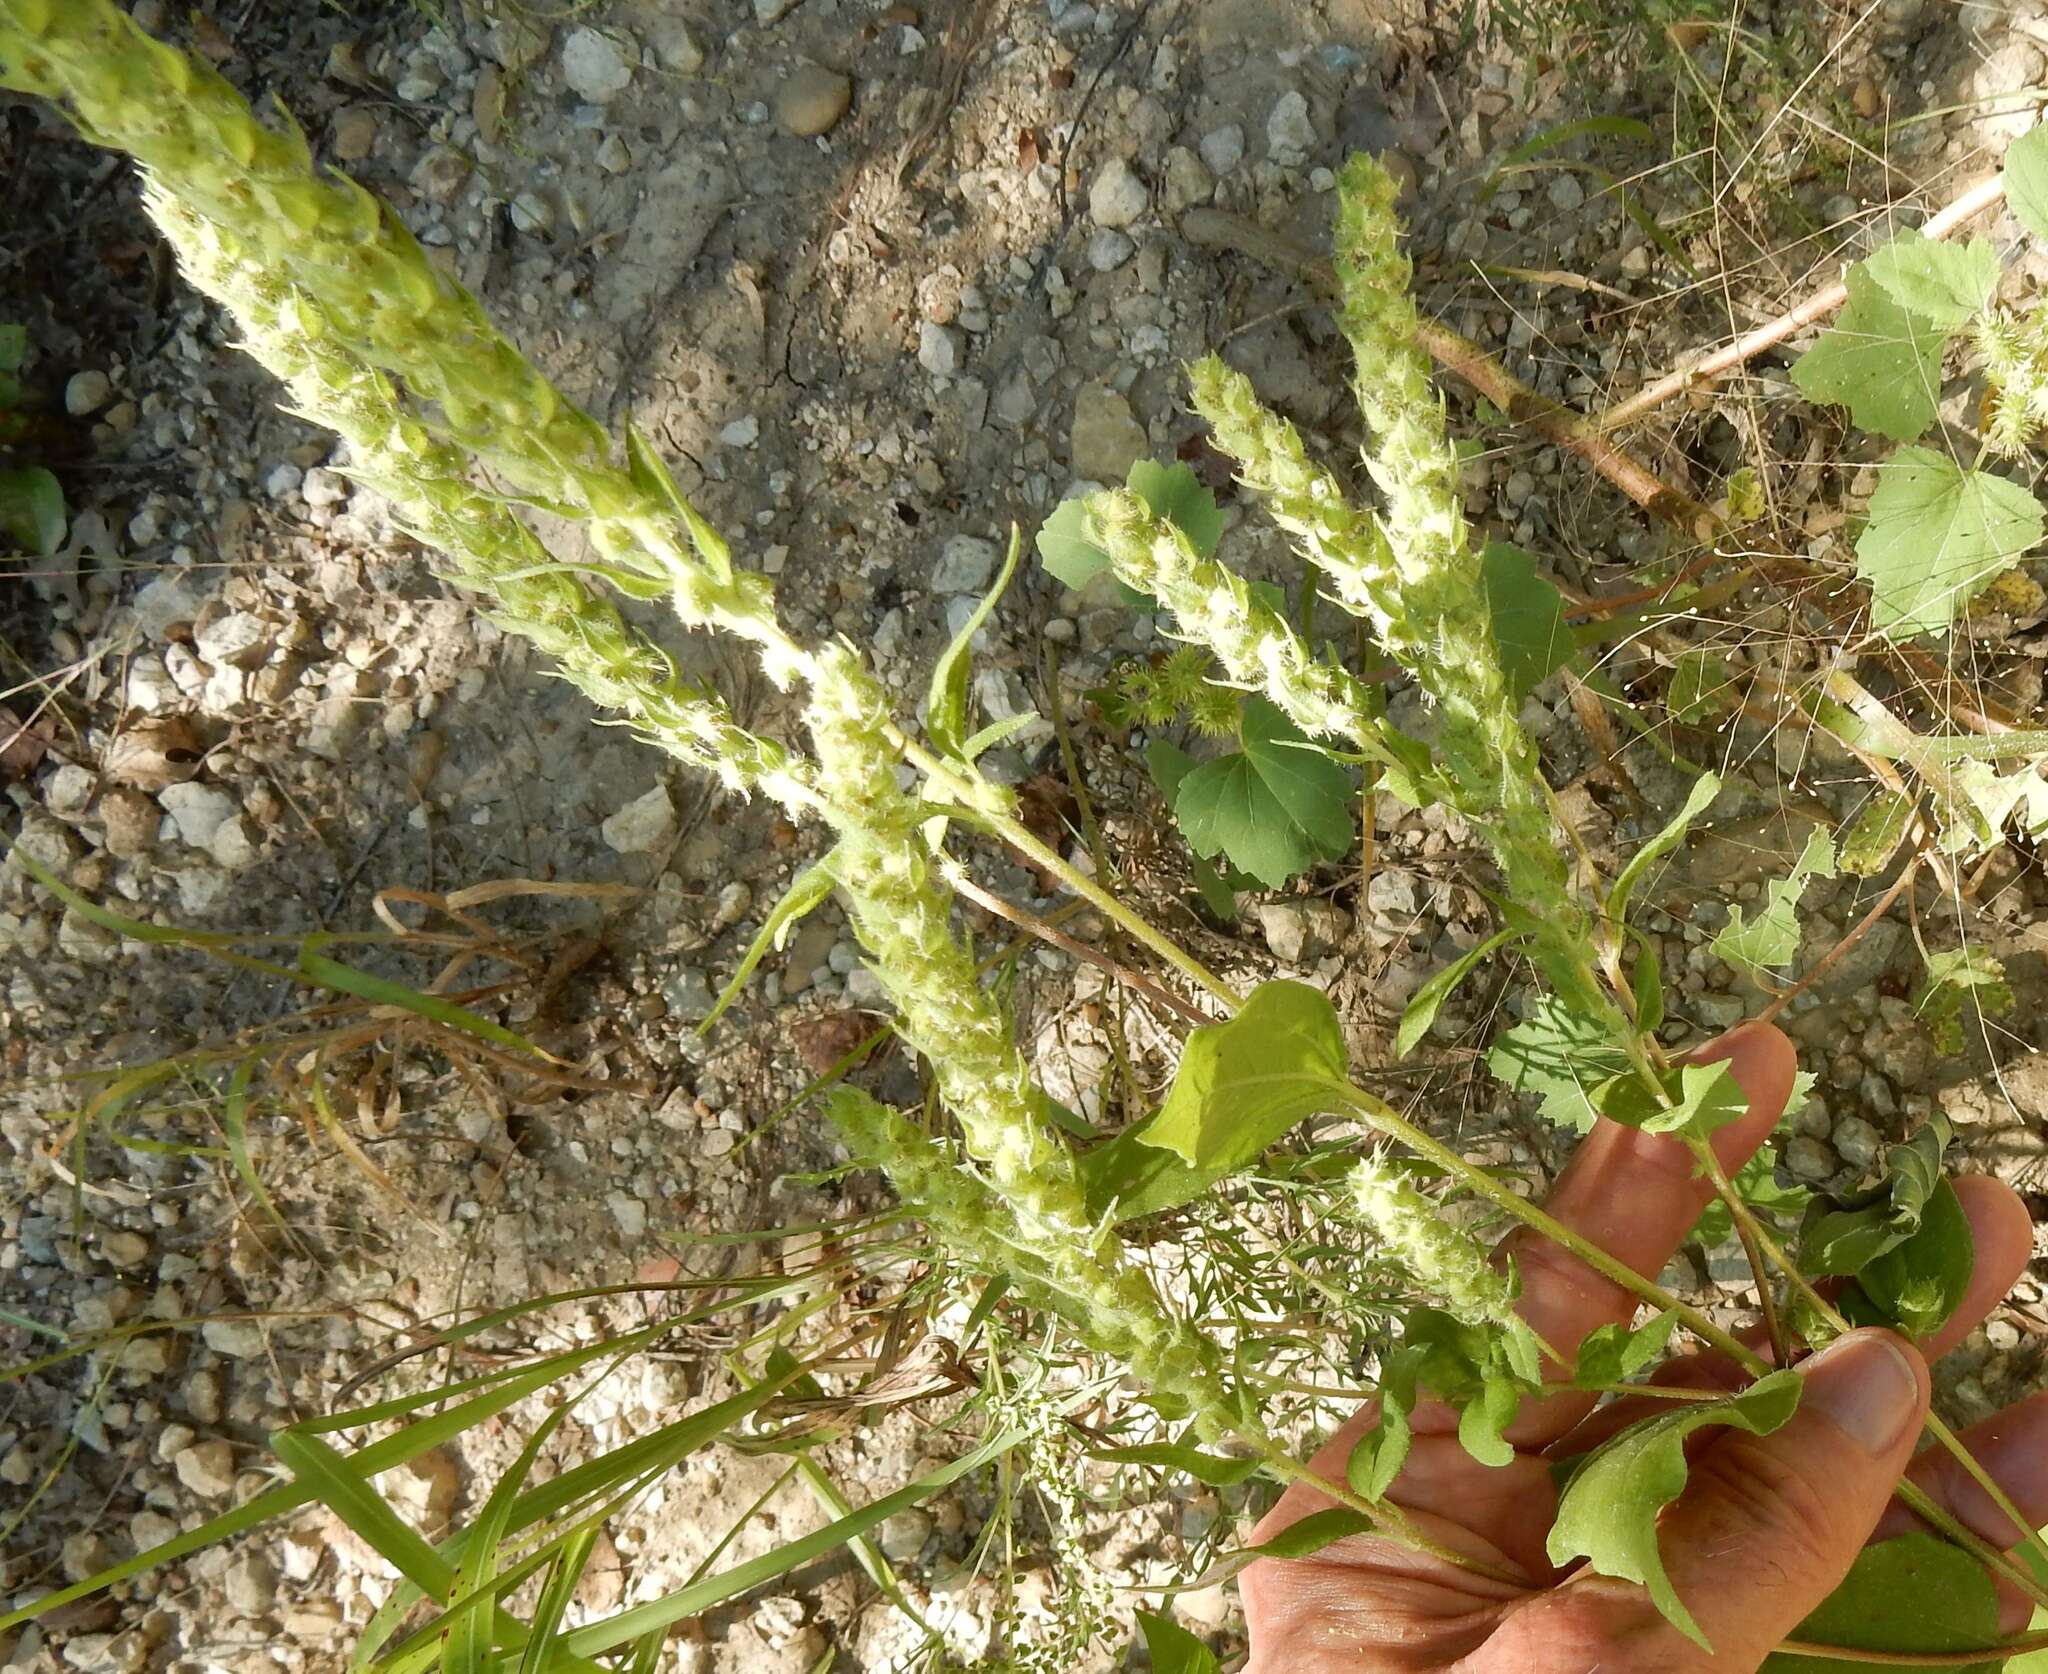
<point x="879" y="279"/>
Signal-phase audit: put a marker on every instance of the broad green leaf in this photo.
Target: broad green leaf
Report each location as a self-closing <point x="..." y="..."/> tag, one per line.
<point x="1944" y="282"/>
<point x="1213" y="1468"/>
<point x="1703" y="791"/>
<point x="1479" y="1369"/>
<point x="1913" y="1594"/>
<point x="32" y="518"/>
<point x="2026" y="180"/>
<point x="1483" y="1420"/>
<point x="1421" y="1010"/>
<point x="1646" y="981"/>
<point x="1702" y="686"/>
<point x="945" y="705"/>
<point x="1965" y="976"/>
<point x="1844" y="1236"/>
<point x="1064" y="547"/>
<point x="1611" y="1353"/>
<point x="1560" y="1056"/>
<point x="1378" y="1455"/>
<point x="1698" y="1100"/>
<point x="1936" y="535"/>
<point x="1528" y="617"/>
<point x="1875" y="836"/>
<point x="1245" y="1082"/>
<point x="1915" y="1286"/>
<point x="807" y="891"/>
<point x="1608" y="1512"/>
<point x="1772" y="937"/>
<point x="1273" y="808"/>
<point x="1176" y="495"/>
<point x="1173" y="1649"/>
<point x="1128" y="1178"/>
<point x="1878" y="360"/>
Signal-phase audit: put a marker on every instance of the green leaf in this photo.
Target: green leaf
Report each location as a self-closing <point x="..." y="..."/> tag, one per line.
<point x="1377" y="1457"/>
<point x="1914" y="1594"/>
<point x="1878" y="360"/>
<point x="1916" y="1286"/>
<point x="1213" y="1468"/>
<point x="1701" y="1098"/>
<point x="1944" y="282"/>
<point x="1611" y="1353"/>
<point x="1560" y="1056"/>
<point x="1772" y="937"/>
<point x="1173" y="1649"/>
<point x="1875" y="836"/>
<point x="1421" y="1010"/>
<point x="1703" y="791"/>
<point x="2026" y="180"/>
<point x="1966" y="976"/>
<point x="945" y="706"/>
<point x="1843" y="1237"/>
<point x="1757" y="1184"/>
<point x="1608" y="1512"/>
<point x="1702" y="686"/>
<point x="652" y="476"/>
<point x="1176" y="495"/>
<point x="13" y="347"/>
<point x="1298" y="1540"/>
<point x="1936" y="535"/>
<point x="1243" y="1083"/>
<point x="1064" y="547"/>
<point x="32" y="517"/>
<point x="1273" y="808"/>
<point x="1528" y="617"/>
<point x="807" y="891"/>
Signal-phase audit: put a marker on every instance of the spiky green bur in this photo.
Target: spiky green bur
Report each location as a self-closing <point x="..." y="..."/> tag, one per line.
<point x="1441" y="1258"/>
<point x="351" y="281"/>
<point x="2013" y="349"/>
<point x="1214" y="606"/>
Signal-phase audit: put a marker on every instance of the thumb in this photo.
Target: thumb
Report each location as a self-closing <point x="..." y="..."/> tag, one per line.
<point x="1768" y="1525"/>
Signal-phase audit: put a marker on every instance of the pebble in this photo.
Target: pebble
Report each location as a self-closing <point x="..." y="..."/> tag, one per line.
<point x="238" y="1339"/>
<point x="86" y="392"/>
<point x="939" y="349"/>
<point x="594" y="65"/>
<point x="125" y="1249"/>
<point x="812" y="100"/>
<point x="1565" y="193"/>
<point x="198" y="810"/>
<point x="967" y="564"/>
<point x="902" y="1536"/>
<point x="772" y="11"/>
<point x="1296" y="931"/>
<point x="631" y="1215"/>
<point x="240" y="639"/>
<point x="1109" y="249"/>
<point x="741" y="432"/>
<point x="354" y="135"/>
<point x="531" y="213"/>
<point x="1809" y="1160"/>
<point x="675" y="45"/>
<point x="251" y="1583"/>
<point x="1117" y="197"/>
<point x="646" y="823"/>
<point x="1106" y="438"/>
<point x="1856" y="1142"/>
<point x="206" y="1468"/>
<point x="283" y="480"/>
<point x="1223" y="148"/>
<point x="1290" y="133"/>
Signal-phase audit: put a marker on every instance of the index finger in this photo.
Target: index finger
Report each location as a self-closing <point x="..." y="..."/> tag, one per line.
<point x="1636" y="1195"/>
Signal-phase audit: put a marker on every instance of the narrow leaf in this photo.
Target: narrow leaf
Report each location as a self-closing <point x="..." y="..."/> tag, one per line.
<point x="807" y="891"/>
<point x="1428" y="1000"/>
<point x="945" y="708"/>
<point x="1703" y="791"/>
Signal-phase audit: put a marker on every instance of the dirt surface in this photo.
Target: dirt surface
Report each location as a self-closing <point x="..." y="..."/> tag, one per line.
<point x="879" y="279"/>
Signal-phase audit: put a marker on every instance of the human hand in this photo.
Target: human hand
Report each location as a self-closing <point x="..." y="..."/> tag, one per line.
<point x="1767" y="1526"/>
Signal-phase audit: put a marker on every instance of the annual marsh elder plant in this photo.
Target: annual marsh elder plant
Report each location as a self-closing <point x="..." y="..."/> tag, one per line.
<point x="447" y="418"/>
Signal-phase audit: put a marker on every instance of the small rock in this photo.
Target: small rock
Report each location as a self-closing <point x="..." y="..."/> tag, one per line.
<point x="772" y="11"/>
<point x="324" y="486"/>
<point x="1809" y="1160"/>
<point x="630" y="1213"/>
<point x="1565" y="193"/>
<point x="902" y="1536"/>
<point x="1118" y="197"/>
<point x="741" y="432"/>
<point x="1223" y="148"/>
<point x="1290" y="133"/>
<point x="812" y="100"/>
<point x="167" y="599"/>
<point x="233" y="848"/>
<point x="283" y="480"/>
<point x="67" y="790"/>
<point x="125" y="1249"/>
<point x="939" y="349"/>
<point x="614" y="156"/>
<point x="1188" y="181"/>
<point x="1856" y="1142"/>
<point x="202" y="1395"/>
<point x="643" y="825"/>
<point x="674" y="45"/>
<point x="1106" y="439"/>
<point x="532" y="214"/>
<point x="689" y="996"/>
<point x="353" y="135"/>
<point x="1297" y="931"/>
<point x="441" y="172"/>
<point x="239" y="639"/>
<point x="1109" y="249"/>
<point x="199" y="810"/>
<point x="595" y="66"/>
<point x="206" y="1468"/>
<point x="87" y="392"/>
<point x="251" y="1584"/>
<point x="238" y="1339"/>
<point x="966" y="564"/>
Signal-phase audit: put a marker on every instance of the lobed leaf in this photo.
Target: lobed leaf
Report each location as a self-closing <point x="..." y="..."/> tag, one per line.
<point x="1936" y="535"/>
<point x="1560" y="1056"/>
<point x="2026" y="181"/>
<point x="1772" y="936"/>
<point x="1273" y="808"/>
<point x="1879" y="360"/>
<point x="1942" y="282"/>
<point x="1697" y="1100"/>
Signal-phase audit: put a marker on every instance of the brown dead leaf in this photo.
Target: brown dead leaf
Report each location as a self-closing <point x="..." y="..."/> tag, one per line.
<point x="23" y="744"/>
<point x="823" y="1040"/>
<point x="156" y="751"/>
<point x="1027" y="150"/>
<point x="1049" y="812"/>
<point x="209" y="40"/>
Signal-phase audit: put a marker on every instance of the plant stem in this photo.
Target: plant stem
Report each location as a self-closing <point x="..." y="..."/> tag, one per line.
<point x="1752" y="1248"/>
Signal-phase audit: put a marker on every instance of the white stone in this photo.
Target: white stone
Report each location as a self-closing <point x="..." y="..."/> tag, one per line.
<point x="233" y="848"/>
<point x="630" y="1213"/>
<point x="1223" y="148"/>
<point x="199" y="810"/>
<point x="169" y="598"/>
<point x="741" y="432"/>
<point x="283" y="479"/>
<point x="1117" y="197"/>
<point x="207" y="1468"/>
<point x="324" y="486"/>
<point x="1109" y="249"/>
<point x="594" y="66"/>
<point x="675" y="46"/>
<point x="240" y="639"/>
<point x="938" y="349"/>
<point x="644" y="824"/>
<point x="772" y="11"/>
<point x="967" y="564"/>
<point x="87" y="392"/>
<point x="1290" y="134"/>
<point x="239" y="1339"/>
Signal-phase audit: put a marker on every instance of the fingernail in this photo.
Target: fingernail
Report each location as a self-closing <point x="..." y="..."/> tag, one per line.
<point x="1867" y="1384"/>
